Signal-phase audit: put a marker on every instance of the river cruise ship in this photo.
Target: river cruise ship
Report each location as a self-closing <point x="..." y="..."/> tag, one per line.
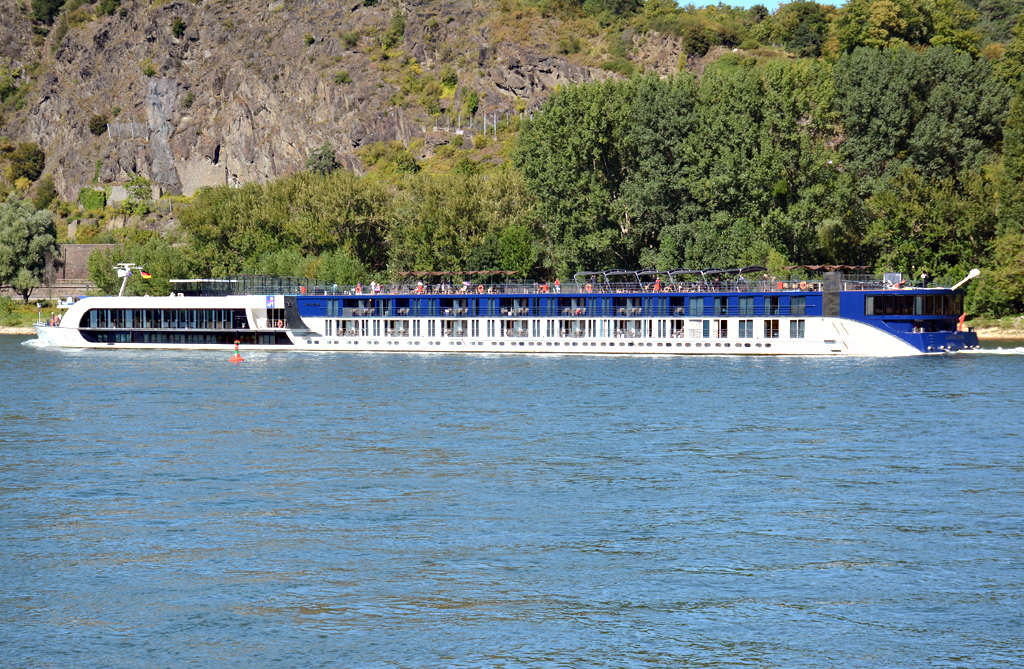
<point x="709" y="312"/>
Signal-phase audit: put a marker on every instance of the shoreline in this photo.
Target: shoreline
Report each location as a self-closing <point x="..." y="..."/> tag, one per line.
<point x="999" y="333"/>
<point x="16" y="331"/>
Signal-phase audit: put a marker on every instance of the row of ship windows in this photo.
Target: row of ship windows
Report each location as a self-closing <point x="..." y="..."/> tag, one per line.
<point x="699" y="329"/>
<point x="136" y="337"/>
<point x="913" y="305"/>
<point x="316" y="342"/>
<point x="191" y="319"/>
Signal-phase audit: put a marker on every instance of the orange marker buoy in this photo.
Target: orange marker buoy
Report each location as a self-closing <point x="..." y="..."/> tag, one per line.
<point x="236" y="357"/>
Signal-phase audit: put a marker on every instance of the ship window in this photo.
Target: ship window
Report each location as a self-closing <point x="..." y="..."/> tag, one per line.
<point x="771" y="328"/>
<point x="798" y="306"/>
<point x="697" y="306"/>
<point x="771" y="306"/>
<point x="796" y="329"/>
<point x="746" y="329"/>
<point x="721" y="306"/>
<point x="746" y="306"/>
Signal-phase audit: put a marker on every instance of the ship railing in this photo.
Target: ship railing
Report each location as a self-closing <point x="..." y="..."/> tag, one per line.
<point x="758" y="285"/>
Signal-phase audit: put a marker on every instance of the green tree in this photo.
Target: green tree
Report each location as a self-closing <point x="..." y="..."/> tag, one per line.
<point x="939" y="109"/>
<point x="46" y="193"/>
<point x="44" y="11"/>
<point x="890" y="23"/>
<point x="1010" y="67"/>
<point x="322" y="160"/>
<point x="470" y="102"/>
<point x="1011" y="187"/>
<point x="98" y="124"/>
<point x="938" y="225"/>
<point x="161" y="257"/>
<point x="27" y="237"/>
<point x="802" y="25"/>
<point x="28" y="161"/>
<point x="140" y="192"/>
<point x="570" y="157"/>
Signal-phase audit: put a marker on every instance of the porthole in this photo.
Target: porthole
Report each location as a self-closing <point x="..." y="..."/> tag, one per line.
<point x="727" y="345"/>
<point x="309" y="341"/>
<point x="746" y="345"/>
<point x="687" y="344"/>
<point x="767" y="345"/>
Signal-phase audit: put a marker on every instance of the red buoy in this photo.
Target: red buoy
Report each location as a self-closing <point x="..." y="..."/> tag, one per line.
<point x="236" y="357"/>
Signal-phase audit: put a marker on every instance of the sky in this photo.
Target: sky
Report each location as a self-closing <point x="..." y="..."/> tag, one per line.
<point x="746" y="4"/>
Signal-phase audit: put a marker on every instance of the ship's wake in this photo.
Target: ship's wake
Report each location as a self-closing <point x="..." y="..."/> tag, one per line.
<point x="1016" y="350"/>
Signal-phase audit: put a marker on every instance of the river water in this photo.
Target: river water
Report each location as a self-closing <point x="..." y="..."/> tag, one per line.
<point x="168" y="509"/>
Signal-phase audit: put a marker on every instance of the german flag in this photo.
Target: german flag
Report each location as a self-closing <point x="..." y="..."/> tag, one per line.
<point x="145" y="274"/>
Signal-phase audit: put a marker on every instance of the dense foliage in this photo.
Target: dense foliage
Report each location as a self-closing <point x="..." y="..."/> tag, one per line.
<point x="27" y="237"/>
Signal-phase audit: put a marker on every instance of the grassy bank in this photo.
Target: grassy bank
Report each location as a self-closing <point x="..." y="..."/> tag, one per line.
<point x="1007" y="327"/>
<point x="15" y="313"/>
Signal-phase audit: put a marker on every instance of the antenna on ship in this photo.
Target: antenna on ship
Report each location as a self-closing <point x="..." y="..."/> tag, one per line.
<point x="974" y="273"/>
<point x="124" y="270"/>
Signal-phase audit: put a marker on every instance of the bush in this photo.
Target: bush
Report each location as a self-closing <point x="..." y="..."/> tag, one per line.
<point x="350" y="39"/>
<point x="470" y="102"/>
<point x="186" y="102"/>
<point x="342" y="77"/>
<point x="148" y="69"/>
<point x="178" y="27"/>
<point x="309" y="39"/>
<point x="27" y="161"/>
<point x="46" y="193"/>
<point x="92" y="198"/>
<point x="98" y="124"/>
<point x="43" y="11"/>
<point x="568" y="45"/>
<point x="322" y="160"/>
<point x="449" y="78"/>
<point x="107" y="7"/>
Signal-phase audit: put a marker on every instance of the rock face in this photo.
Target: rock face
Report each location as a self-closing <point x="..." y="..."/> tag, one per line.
<point x="243" y="90"/>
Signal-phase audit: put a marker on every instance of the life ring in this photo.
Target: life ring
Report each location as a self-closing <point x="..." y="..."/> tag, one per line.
<point x="803" y="285"/>
<point x="280" y="324"/>
<point x="589" y="288"/>
<point x="480" y="289"/>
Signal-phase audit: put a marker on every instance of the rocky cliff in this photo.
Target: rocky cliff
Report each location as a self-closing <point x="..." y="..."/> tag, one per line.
<point x="233" y="91"/>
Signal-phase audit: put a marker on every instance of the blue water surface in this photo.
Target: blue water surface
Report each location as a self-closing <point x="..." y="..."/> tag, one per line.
<point x="169" y="509"/>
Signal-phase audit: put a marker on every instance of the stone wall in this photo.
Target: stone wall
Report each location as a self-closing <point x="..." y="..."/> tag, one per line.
<point x="75" y="261"/>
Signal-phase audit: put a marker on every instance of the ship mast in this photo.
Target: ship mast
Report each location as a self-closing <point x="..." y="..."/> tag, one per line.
<point x="124" y="270"/>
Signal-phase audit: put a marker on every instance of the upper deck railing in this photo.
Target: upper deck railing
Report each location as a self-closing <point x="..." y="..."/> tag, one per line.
<point x="259" y="285"/>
